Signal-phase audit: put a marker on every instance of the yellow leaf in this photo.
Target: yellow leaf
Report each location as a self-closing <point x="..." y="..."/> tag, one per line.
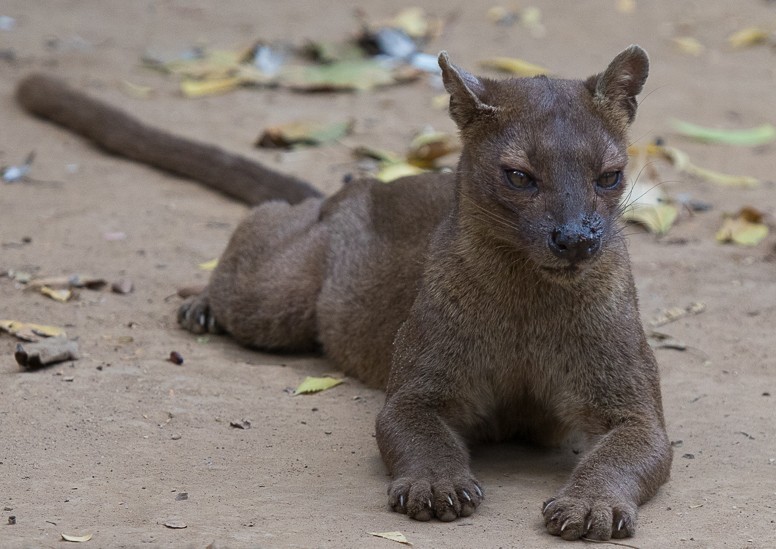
<point x="441" y="101"/>
<point x="30" y="332"/>
<point x="531" y="19"/>
<point x="744" y="229"/>
<point x="395" y="170"/>
<point x="63" y="296"/>
<point x="77" y="539"/>
<point x="657" y="218"/>
<point x="626" y="6"/>
<point x="514" y="66"/>
<point x="688" y="45"/>
<point x="750" y="36"/>
<point x="393" y="536"/>
<point x="413" y="21"/>
<point x="201" y="88"/>
<point x="209" y="265"/>
<point x="316" y="384"/>
<point x="681" y="161"/>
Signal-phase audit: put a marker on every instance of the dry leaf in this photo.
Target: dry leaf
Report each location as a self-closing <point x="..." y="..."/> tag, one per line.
<point x="361" y="75"/>
<point x="750" y="36"/>
<point x="135" y="90"/>
<point x="395" y="170"/>
<point x="688" y="45"/>
<point x="647" y="203"/>
<point x="745" y="229"/>
<point x="675" y="313"/>
<point x="751" y="137"/>
<point x="302" y="133"/>
<point x="413" y="21"/>
<point x="77" y="539"/>
<point x="659" y="340"/>
<point x="681" y="161"/>
<point x="209" y="265"/>
<point x="657" y="218"/>
<point x="514" y="66"/>
<point x="393" y="536"/>
<point x="316" y="384"/>
<point x="377" y="154"/>
<point x="427" y="147"/>
<point x="63" y="296"/>
<point x="201" y="88"/>
<point x="30" y="332"/>
<point x="71" y="281"/>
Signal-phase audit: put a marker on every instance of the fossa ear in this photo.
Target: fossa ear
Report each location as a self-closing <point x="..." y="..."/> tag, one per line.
<point x="466" y="93"/>
<point x="617" y="87"/>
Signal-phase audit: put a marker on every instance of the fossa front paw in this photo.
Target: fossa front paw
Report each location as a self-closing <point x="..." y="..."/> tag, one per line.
<point x="195" y="315"/>
<point x="599" y="518"/>
<point x="446" y="499"/>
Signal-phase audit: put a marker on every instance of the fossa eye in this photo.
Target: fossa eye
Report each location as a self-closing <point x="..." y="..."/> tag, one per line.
<point x="609" y="180"/>
<point x="520" y="179"/>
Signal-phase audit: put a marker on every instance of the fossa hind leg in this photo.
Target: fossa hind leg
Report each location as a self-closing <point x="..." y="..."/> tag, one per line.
<point x="266" y="284"/>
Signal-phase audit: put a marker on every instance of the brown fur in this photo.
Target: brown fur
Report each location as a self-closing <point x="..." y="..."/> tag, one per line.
<point x="487" y="309"/>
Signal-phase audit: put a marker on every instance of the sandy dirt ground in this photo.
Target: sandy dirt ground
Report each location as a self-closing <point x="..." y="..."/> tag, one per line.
<point x="108" y="444"/>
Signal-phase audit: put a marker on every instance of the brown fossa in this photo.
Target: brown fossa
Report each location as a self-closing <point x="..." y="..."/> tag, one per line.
<point x="491" y="303"/>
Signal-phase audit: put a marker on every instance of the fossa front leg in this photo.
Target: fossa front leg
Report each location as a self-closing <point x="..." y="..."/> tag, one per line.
<point x="428" y="459"/>
<point x="622" y="471"/>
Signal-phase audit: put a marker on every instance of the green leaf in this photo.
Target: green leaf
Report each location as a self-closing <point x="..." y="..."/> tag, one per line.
<point x="316" y="384"/>
<point x="751" y="137"/>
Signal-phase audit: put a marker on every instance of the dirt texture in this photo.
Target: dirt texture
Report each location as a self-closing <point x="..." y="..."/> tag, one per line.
<point x="108" y="444"/>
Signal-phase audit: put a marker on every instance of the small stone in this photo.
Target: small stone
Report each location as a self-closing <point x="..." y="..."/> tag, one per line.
<point x="176" y="358"/>
<point x="12" y="520"/>
<point x="122" y="286"/>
